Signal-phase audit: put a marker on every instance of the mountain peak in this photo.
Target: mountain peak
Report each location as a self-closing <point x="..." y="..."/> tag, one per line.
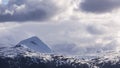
<point x="34" y="43"/>
<point x="34" y="37"/>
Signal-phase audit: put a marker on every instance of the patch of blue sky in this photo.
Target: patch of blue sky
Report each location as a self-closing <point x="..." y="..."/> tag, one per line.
<point x="5" y="2"/>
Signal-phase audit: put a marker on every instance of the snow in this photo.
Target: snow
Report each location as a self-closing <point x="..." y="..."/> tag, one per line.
<point x="34" y="48"/>
<point x="34" y="43"/>
<point x="25" y="51"/>
<point x="29" y="47"/>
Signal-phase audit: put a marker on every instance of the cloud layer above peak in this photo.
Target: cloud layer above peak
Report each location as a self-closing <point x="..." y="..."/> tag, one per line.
<point x="27" y="10"/>
<point x="42" y="10"/>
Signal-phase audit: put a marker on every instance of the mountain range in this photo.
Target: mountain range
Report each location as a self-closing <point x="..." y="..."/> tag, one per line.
<point x="33" y="53"/>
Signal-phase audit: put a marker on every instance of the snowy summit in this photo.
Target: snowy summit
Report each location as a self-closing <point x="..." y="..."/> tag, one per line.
<point x="35" y="44"/>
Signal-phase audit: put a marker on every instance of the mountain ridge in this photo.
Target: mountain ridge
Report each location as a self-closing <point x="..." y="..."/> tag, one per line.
<point x="25" y="57"/>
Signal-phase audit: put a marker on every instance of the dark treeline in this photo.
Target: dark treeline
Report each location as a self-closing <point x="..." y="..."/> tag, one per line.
<point x="55" y="62"/>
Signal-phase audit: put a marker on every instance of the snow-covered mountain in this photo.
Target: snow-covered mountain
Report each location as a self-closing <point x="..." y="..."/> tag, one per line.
<point x="34" y="43"/>
<point x="24" y="56"/>
<point x="21" y="57"/>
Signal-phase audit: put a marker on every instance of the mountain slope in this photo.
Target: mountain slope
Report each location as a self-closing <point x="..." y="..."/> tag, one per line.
<point x="25" y="56"/>
<point x="20" y="57"/>
<point x="35" y="44"/>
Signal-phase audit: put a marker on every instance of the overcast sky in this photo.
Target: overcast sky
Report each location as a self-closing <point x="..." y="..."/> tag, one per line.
<point x="83" y="24"/>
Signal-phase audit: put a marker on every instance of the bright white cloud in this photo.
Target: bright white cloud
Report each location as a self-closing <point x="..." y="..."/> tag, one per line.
<point x="0" y="2"/>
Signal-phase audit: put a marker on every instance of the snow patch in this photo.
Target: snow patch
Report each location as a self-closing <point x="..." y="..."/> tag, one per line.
<point x="35" y="44"/>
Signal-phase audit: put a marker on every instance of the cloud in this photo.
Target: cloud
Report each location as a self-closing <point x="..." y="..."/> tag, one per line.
<point x="0" y="2"/>
<point x="74" y="35"/>
<point x="95" y="29"/>
<point x="27" y="10"/>
<point x="99" y="6"/>
<point x="65" y="48"/>
<point x="66" y="37"/>
<point x="75" y="30"/>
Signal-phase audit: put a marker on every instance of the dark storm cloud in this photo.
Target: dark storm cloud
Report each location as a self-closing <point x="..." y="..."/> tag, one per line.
<point x="99" y="6"/>
<point x="93" y="30"/>
<point x="31" y="16"/>
<point x="27" y="10"/>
